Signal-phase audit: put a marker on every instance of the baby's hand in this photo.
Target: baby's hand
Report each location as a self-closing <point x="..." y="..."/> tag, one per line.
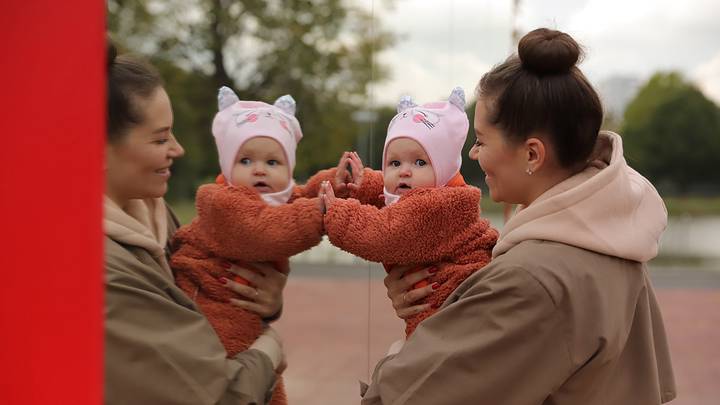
<point x="351" y="179"/>
<point x="327" y="195"/>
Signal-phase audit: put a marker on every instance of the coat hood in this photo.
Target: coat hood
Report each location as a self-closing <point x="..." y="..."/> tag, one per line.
<point x="143" y="224"/>
<point x="607" y="208"/>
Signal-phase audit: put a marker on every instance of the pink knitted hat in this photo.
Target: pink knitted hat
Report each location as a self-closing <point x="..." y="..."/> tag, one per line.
<point x="237" y="121"/>
<point x="440" y="128"/>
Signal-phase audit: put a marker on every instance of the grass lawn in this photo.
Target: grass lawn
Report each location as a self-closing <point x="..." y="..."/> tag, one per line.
<point x="694" y="206"/>
<point x="184" y="209"/>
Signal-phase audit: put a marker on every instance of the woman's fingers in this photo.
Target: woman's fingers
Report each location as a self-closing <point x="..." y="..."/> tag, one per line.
<point x="246" y="291"/>
<point x="403" y="298"/>
<point x="397" y="279"/>
<point x="408" y="298"/>
<point x="394" y="275"/>
<point x="251" y="276"/>
<point x="264" y="294"/>
<point x="408" y="312"/>
<point x="410" y="279"/>
<point x="249" y="305"/>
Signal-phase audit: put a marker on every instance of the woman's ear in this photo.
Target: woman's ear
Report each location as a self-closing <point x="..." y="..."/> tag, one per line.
<point x="535" y="153"/>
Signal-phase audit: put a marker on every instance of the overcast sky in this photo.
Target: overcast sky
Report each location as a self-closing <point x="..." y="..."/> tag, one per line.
<point x="453" y="42"/>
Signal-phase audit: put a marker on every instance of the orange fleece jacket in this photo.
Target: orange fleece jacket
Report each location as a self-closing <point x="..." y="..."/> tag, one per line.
<point x="234" y="224"/>
<point x="438" y="227"/>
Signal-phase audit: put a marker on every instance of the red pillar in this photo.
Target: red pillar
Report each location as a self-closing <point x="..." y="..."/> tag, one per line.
<point x="52" y="109"/>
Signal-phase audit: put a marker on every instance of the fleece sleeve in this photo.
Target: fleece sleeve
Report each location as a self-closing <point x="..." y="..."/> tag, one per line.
<point x="312" y="187"/>
<point x="502" y="341"/>
<point x="242" y="226"/>
<point x="419" y="228"/>
<point x="370" y="191"/>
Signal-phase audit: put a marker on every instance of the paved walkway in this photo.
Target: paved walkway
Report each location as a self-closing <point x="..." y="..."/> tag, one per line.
<point x="329" y="347"/>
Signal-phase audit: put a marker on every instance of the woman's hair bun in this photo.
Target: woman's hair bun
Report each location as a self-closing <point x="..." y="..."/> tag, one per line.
<point x="111" y="53"/>
<point x="546" y="51"/>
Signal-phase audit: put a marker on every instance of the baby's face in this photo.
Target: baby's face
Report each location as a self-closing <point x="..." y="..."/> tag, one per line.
<point x="261" y="164"/>
<point x="407" y="166"/>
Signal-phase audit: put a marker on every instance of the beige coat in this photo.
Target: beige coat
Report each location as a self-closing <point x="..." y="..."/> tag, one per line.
<point x="159" y="348"/>
<point x="545" y="323"/>
<point x="564" y="314"/>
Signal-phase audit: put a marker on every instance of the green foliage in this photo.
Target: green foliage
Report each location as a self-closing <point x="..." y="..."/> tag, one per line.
<point x="671" y="134"/>
<point x="693" y="206"/>
<point x="471" y="170"/>
<point x="319" y="51"/>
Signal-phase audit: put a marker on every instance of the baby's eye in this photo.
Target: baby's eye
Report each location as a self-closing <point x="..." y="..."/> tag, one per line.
<point x="420" y="162"/>
<point x="161" y="141"/>
<point x="245" y="161"/>
<point x="273" y="162"/>
<point x="478" y="143"/>
<point x="395" y="163"/>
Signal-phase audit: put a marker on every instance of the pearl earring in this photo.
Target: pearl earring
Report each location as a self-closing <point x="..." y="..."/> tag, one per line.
<point x="529" y="171"/>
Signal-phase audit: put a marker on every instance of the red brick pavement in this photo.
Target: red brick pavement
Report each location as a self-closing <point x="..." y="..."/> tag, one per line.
<point x="329" y="348"/>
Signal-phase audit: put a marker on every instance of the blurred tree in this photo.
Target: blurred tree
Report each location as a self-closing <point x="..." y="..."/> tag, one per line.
<point x="471" y="170"/>
<point x="671" y="134"/>
<point x="319" y="51"/>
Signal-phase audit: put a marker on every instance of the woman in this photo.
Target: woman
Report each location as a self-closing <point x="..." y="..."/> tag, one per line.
<point x="564" y="313"/>
<point x="159" y="348"/>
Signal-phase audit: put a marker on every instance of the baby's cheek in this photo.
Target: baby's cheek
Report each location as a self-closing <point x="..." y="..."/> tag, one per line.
<point x="428" y="177"/>
<point x="240" y="176"/>
<point x="389" y="181"/>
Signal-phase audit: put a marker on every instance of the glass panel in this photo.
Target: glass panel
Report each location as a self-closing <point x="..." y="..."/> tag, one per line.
<point x="347" y="64"/>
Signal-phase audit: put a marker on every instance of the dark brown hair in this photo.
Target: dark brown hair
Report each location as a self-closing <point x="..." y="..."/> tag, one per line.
<point x="128" y="80"/>
<point x="541" y="90"/>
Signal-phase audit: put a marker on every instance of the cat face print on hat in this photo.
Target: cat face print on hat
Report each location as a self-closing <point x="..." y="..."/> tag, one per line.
<point x="439" y="127"/>
<point x="238" y="121"/>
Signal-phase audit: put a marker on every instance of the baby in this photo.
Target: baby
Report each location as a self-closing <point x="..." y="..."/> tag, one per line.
<point x="255" y="213"/>
<point x="418" y="211"/>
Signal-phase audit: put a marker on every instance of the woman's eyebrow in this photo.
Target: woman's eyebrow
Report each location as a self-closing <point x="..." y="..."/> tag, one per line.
<point x="161" y="130"/>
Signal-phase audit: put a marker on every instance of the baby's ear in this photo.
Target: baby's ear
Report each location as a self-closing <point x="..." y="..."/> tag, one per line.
<point x="287" y="104"/>
<point x="457" y="98"/>
<point x="405" y="103"/>
<point x="226" y="98"/>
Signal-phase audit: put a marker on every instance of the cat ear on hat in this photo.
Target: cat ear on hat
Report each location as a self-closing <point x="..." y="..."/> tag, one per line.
<point x="405" y="103"/>
<point x="287" y="104"/>
<point x="226" y="98"/>
<point x="457" y="98"/>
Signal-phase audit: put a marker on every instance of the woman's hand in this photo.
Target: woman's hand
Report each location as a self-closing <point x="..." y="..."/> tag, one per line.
<point x="350" y="179"/>
<point x="269" y="342"/>
<point x="264" y="292"/>
<point x="398" y="285"/>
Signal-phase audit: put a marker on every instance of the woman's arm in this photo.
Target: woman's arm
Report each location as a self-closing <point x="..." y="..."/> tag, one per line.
<point x="161" y="350"/>
<point x="502" y="341"/>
